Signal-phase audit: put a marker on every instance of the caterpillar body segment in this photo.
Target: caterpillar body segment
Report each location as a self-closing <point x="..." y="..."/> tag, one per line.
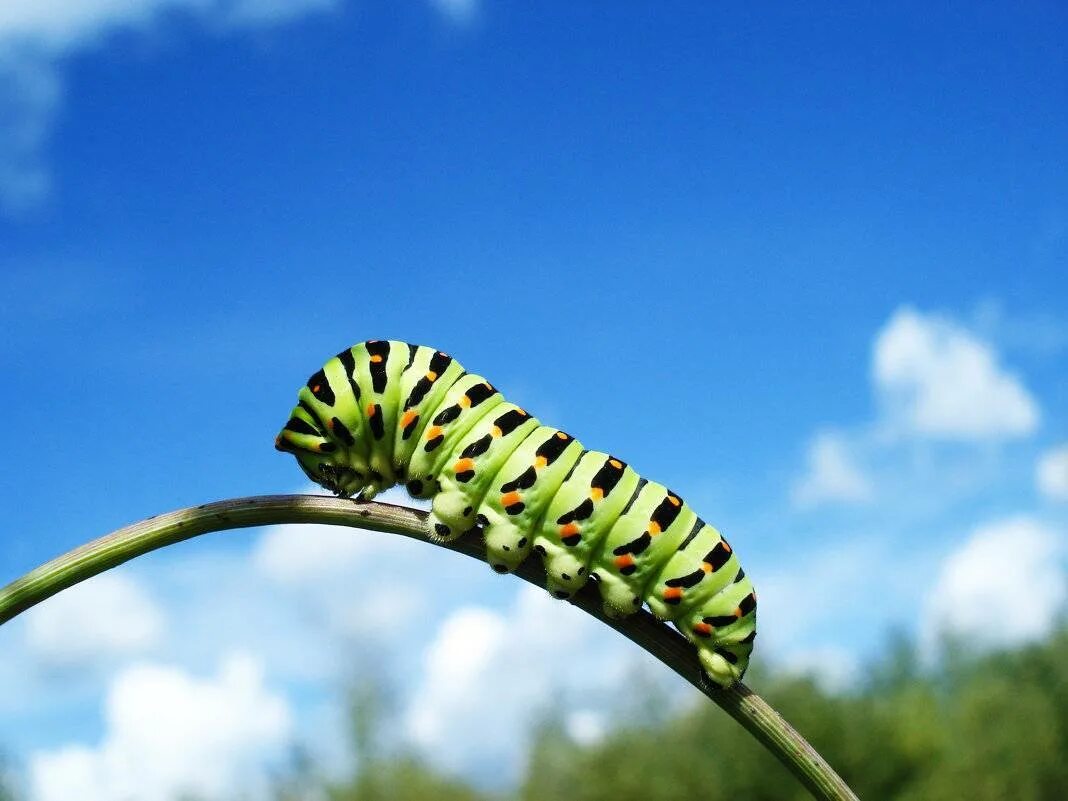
<point x="582" y="511"/>
<point x="638" y="544"/>
<point x="385" y="412"/>
<point x="466" y="403"/>
<point x="471" y="466"/>
<point x="694" y="573"/>
<point x="511" y="511"/>
<point x="377" y="376"/>
<point x="423" y="384"/>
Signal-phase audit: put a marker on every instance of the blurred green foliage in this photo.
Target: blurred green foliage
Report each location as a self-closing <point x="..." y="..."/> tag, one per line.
<point x="981" y="728"/>
<point x="7" y="782"/>
<point x="388" y="775"/>
<point x="977" y="728"/>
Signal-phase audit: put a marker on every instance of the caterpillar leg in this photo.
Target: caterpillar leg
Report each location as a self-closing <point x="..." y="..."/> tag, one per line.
<point x="646" y="533"/>
<point x="376" y="485"/>
<point x="518" y="495"/>
<point x="578" y="518"/>
<point x="507" y="545"/>
<point x="468" y="468"/>
<point x="725" y="664"/>
<point x="565" y="573"/>
<point x="451" y="514"/>
<point x="619" y="597"/>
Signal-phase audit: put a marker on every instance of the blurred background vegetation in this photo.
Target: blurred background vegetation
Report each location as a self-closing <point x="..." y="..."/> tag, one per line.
<point x="977" y="727"/>
<point x="983" y="728"/>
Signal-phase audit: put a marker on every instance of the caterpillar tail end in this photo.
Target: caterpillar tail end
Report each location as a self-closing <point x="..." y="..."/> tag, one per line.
<point x="719" y="670"/>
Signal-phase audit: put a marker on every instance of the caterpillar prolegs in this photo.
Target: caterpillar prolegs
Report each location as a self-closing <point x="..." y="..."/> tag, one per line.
<point x="383" y="413"/>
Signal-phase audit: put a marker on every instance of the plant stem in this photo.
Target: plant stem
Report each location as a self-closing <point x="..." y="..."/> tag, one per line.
<point x="670" y="647"/>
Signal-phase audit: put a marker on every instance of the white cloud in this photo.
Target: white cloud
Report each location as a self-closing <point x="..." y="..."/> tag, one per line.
<point x="824" y="595"/>
<point x="482" y="653"/>
<point x="308" y="554"/>
<point x="487" y="675"/>
<point x="466" y="647"/>
<point x="170" y="734"/>
<point x="459" y="11"/>
<point x="366" y="583"/>
<point x="316" y="605"/>
<point x="586" y="726"/>
<point x="938" y="380"/>
<point x="1051" y="473"/>
<point x="110" y="615"/>
<point x="945" y="402"/>
<point x="215" y="603"/>
<point x="832" y="475"/>
<point x="1004" y="586"/>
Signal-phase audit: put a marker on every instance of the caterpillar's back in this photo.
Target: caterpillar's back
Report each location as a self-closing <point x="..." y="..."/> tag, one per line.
<point x="383" y="413"/>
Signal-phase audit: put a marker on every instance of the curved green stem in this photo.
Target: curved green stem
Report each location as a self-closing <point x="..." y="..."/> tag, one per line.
<point x="745" y="706"/>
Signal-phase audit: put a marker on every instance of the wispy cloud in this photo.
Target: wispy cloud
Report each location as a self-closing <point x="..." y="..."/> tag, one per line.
<point x="1051" y="473"/>
<point x="832" y="474"/>
<point x="109" y="616"/>
<point x="459" y="11"/>
<point x="30" y="90"/>
<point x="814" y="599"/>
<point x="318" y="567"/>
<point x="1043" y="334"/>
<point x="57" y="27"/>
<point x="37" y="35"/>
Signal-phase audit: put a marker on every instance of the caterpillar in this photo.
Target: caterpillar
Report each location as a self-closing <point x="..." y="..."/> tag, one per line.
<point x="382" y="413"/>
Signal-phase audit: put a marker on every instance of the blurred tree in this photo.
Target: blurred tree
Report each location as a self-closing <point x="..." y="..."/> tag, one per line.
<point x="299" y="780"/>
<point x="977" y="727"/>
<point x="404" y="777"/>
<point x="7" y="781"/>
<point x="898" y="667"/>
<point x="387" y="771"/>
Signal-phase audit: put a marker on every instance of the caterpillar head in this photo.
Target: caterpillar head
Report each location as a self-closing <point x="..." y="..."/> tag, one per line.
<point x="322" y="459"/>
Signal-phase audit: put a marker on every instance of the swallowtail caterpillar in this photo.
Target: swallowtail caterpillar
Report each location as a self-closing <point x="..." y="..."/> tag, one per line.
<point x="383" y="413"/>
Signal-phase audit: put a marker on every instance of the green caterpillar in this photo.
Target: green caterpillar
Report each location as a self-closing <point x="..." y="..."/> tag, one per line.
<point x="386" y="412"/>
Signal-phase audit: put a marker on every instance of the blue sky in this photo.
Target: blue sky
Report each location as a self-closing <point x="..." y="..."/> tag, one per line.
<point x="805" y="266"/>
